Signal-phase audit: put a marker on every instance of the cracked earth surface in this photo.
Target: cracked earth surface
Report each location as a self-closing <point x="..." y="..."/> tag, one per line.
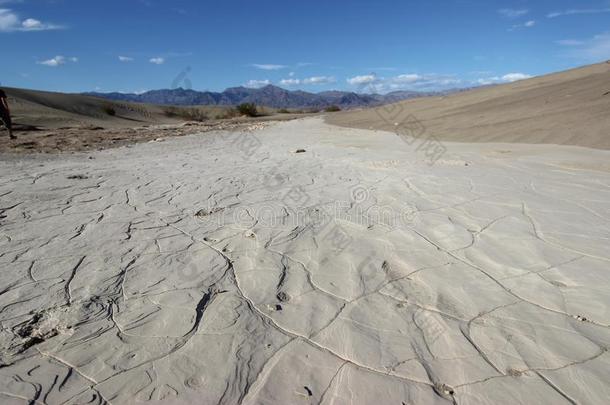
<point x="226" y="268"/>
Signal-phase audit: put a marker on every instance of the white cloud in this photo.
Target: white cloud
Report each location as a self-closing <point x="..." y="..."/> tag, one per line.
<point x="157" y="61"/>
<point x="309" y="80"/>
<point x="591" y="50"/>
<point x="513" y="13"/>
<point x="268" y="66"/>
<point x="488" y="80"/>
<point x="290" y="82"/>
<point x="513" y="77"/>
<point x="58" y="61"/>
<point x="527" y="24"/>
<point x="255" y="84"/>
<point x="578" y="11"/>
<point x="31" y="23"/>
<point x="362" y="80"/>
<point x="125" y="59"/>
<point x="507" y="78"/>
<point x="10" y="22"/>
<point x="409" y="81"/>
<point x="424" y="81"/>
<point x="319" y="80"/>
<point x="407" y="78"/>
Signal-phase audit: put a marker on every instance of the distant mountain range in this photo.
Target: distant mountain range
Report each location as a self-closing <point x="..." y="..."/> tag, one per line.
<point x="269" y="96"/>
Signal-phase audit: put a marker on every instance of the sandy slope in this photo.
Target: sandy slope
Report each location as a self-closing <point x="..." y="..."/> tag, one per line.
<point x="51" y="110"/>
<point x="227" y="268"/>
<point x="59" y="110"/>
<point x="567" y="108"/>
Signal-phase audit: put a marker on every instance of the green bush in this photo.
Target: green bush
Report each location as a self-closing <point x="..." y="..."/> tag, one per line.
<point x="332" y="108"/>
<point x="283" y="111"/>
<point x="248" y="109"/>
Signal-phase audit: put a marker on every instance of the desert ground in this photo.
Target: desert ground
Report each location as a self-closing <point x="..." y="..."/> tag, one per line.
<point x="225" y="267"/>
<point x="442" y="250"/>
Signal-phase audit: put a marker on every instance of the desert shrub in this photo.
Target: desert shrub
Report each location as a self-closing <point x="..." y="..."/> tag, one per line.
<point x="332" y="108"/>
<point x="248" y="109"/>
<point x="188" y="114"/>
<point x="283" y="111"/>
<point x="227" y="114"/>
<point x="109" y="110"/>
<point x="195" y="114"/>
<point x="171" y="112"/>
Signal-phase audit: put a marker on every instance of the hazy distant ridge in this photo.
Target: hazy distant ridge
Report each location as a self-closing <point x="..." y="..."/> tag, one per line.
<point x="270" y="96"/>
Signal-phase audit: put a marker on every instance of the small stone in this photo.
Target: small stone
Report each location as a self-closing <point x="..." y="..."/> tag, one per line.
<point x="283" y="297"/>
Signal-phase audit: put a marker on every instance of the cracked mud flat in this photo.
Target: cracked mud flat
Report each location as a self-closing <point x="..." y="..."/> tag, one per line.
<point x="189" y="271"/>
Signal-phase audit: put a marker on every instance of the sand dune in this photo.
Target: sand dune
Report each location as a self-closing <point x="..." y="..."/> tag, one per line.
<point x="227" y="268"/>
<point x="567" y="108"/>
<point x="60" y="110"/>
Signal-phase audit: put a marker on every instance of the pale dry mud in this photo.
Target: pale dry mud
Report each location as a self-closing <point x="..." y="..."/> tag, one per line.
<point x="226" y="268"/>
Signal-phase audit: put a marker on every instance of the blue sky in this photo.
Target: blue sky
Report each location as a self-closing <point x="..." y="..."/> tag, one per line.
<point x="375" y="45"/>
